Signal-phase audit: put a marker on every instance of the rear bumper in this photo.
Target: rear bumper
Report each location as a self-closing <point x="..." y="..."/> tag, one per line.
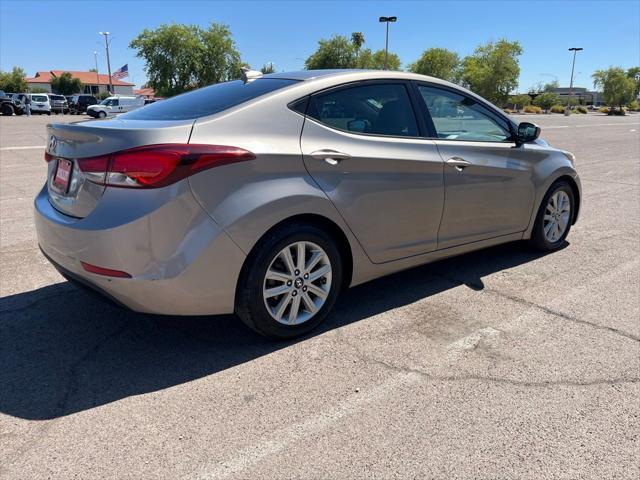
<point x="180" y="260"/>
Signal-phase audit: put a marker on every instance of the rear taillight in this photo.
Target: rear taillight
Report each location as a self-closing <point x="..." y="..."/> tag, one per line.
<point x="155" y="166"/>
<point x="48" y="157"/>
<point x="107" y="272"/>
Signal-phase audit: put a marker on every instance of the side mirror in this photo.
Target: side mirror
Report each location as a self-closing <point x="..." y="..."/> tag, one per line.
<point x="527" y="132"/>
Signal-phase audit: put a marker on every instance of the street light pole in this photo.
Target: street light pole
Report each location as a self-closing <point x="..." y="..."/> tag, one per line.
<point x="106" y="45"/>
<point x="387" y="20"/>
<point x="567" y="111"/>
<point x="95" y="57"/>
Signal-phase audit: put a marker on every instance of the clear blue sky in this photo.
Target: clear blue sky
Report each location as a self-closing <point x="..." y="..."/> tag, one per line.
<point x="46" y="35"/>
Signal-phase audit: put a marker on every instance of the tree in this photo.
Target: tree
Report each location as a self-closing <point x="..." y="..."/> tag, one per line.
<point x="357" y="40"/>
<point x="337" y="52"/>
<point x="342" y="52"/>
<point x="65" y="84"/>
<point x="546" y="100"/>
<point x="267" y="68"/>
<point x="634" y="74"/>
<point x="183" y="57"/>
<point x="13" y="81"/>
<point x="617" y="87"/>
<point x="94" y="70"/>
<point x="522" y="100"/>
<point x="492" y="70"/>
<point x="439" y="63"/>
<point x="375" y="60"/>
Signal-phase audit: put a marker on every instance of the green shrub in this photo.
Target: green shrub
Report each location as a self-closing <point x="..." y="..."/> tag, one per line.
<point x="532" y="109"/>
<point x="634" y="106"/>
<point x="603" y="109"/>
<point x="508" y="110"/>
<point x="557" y="109"/>
<point x="581" y="109"/>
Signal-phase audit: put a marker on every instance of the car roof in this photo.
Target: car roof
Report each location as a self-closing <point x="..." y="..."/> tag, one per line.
<point x="306" y="75"/>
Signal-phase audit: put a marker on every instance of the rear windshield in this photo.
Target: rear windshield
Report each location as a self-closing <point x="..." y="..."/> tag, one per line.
<point x="39" y="98"/>
<point x="56" y="97"/>
<point x="207" y="100"/>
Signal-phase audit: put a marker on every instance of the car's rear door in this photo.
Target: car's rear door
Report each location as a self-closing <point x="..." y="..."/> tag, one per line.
<point x="362" y="144"/>
<point x="489" y="190"/>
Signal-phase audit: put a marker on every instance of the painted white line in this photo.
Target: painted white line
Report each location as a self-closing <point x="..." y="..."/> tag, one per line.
<point x="592" y="125"/>
<point x="31" y="147"/>
<point x="297" y="432"/>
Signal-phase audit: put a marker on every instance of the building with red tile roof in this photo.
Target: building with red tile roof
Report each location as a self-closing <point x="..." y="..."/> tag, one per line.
<point x="92" y="82"/>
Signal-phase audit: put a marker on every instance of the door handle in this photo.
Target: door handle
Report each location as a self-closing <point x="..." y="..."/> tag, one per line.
<point x="458" y="163"/>
<point x="330" y="156"/>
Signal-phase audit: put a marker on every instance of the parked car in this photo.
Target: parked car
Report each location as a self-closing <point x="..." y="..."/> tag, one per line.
<point x="115" y="105"/>
<point x="8" y="105"/>
<point x="79" y="103"/>
<point x="261" y="197"/>
<point x="40" y="103"/>
<point x="58" y="104"/>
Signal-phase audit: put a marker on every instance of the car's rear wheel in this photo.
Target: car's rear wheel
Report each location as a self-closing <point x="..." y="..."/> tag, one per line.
<point x="290" y="282"/>
<point x="554" y="218"/>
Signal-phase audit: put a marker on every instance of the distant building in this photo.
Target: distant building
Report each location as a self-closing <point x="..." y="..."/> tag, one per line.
<point x="582" y="95"/>
<point x="92" y="82"/>
<point x="147" y="93"/>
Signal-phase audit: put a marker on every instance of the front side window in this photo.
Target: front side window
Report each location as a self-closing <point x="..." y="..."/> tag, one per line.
<point x="457" y="117"/>
<point x="377" y="109"/>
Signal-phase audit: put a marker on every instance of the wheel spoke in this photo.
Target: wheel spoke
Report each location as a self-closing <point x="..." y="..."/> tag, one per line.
<point x="282" y="306"/>
<point x="295" y="306"/>
<point x="564" y="220"/>
<point x="313" y="261"/>
<point x="548" y="218"/>
<point x="288" y="260"/>
<point x="317" y="291"/>
<point x="275" y="291"/>
<point x="300" y="258"/>
<point x="310" y="306"/>
<point x="321" y="272"/>
<point x="278" y="276"/>
<point x="548" y="227"/>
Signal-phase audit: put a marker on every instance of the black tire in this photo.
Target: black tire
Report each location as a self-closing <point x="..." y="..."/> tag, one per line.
<point x="102" y="115"/>
<point x="538" y="239"/>
<point x="250" y="305"/>
<point x="7" y="110"/>
<point x="48" y="113"/>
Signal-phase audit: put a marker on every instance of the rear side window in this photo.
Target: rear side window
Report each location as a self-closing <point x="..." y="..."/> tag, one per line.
<point x="208" y="100"/>
<point x="377" y="109"/>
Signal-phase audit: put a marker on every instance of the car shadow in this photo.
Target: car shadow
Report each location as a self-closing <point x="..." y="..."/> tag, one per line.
<point x="64" y="349"/>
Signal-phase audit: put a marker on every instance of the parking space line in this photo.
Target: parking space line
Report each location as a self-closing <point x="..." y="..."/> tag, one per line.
<point x="298" y="432"/>
<point x="625" y="124"/>
<point x="30" y="147"/>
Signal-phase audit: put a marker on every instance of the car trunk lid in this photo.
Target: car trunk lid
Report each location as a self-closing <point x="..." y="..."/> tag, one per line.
<point x="73" y="192"/>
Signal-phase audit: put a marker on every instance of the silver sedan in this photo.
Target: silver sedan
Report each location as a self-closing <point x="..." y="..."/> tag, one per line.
<point x="268" y="196"/>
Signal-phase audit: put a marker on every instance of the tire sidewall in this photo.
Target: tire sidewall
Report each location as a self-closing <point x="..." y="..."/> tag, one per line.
<point x="538" y="235"/>
<point x="262" y="321"/>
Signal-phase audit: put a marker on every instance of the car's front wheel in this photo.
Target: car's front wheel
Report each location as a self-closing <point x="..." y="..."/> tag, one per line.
<point x="554" y="218"/>
<point x="7" y="110"/>
<point x="290" y="282"/>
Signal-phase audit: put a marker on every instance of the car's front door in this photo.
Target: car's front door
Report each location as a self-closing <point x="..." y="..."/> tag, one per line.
<point x="361" y="144"/>
<point x="489" y="188"/>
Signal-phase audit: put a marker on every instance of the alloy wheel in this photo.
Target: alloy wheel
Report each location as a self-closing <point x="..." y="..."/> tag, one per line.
<point x="556" y="216"/>
<point x="297" y="283"/>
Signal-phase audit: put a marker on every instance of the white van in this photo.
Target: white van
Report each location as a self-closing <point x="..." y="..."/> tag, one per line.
<point x="114" y="105"/>
<point x="40" y="103"/>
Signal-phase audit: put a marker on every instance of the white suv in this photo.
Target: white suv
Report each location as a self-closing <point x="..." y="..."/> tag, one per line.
<point x="40" y="103"/>
<point x="114" y="105"/>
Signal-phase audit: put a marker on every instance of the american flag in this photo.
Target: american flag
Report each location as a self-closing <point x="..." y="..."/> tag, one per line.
<point x="122" y="72"/>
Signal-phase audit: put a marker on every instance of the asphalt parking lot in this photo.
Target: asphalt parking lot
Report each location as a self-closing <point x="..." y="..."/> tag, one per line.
<point x="503" y="363"/>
